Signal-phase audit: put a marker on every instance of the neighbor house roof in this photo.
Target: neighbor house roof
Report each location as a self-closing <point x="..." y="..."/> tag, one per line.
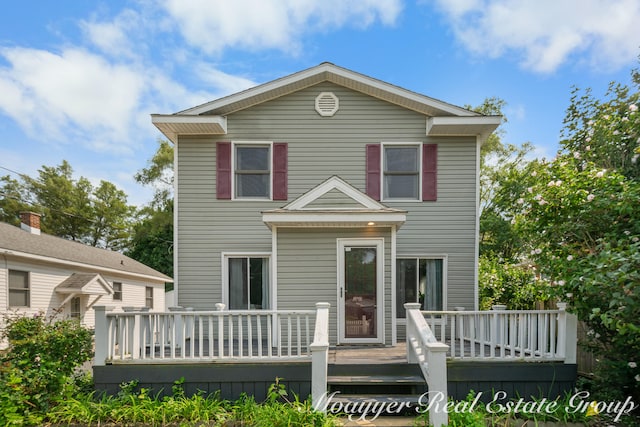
<point x="211" y="118"/>
<point x="44" y="247"/>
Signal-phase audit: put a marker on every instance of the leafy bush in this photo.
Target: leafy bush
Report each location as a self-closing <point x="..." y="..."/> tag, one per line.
<point x="38" y="365"/>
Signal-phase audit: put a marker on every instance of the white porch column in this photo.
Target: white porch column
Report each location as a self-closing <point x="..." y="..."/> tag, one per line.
<point x="568" y="333"/>
<point x="411" y="331"/>
<point x="437" y="379"/>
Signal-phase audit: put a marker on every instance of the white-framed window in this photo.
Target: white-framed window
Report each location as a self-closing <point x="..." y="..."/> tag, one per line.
<point x="76" y="310"/>
<point x="117" y="291"/>
<point x="401" y="171"/>
<point x="252" y="170"/>
<point x="247" y="281"/>
<point x="19" y="289"/>
<point x="148" y="296"/>
<point x="420" y="279"/>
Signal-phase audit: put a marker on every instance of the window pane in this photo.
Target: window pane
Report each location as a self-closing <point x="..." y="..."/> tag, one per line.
<point x="238" y="284"/>
<point x="252" y="158"/>
<point x="252" y="185"/>
<point x="149" y="296"/>
<point x="401" y="159"/>
<point x="19" y="289"/>
<point x="117" y="291"/>
<point x="431" y="284"/>
<point x="406" y="284"/>
<point x="259" y="283"/>
<point x="401" y="186"/>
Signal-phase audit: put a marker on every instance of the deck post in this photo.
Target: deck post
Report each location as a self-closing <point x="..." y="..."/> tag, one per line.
<point x="320" y="356"/>
<point x="411" y="332"/>
<point x="437" y="380"/>
<point x="569" y="328"/>
<point x="101" y="336"/>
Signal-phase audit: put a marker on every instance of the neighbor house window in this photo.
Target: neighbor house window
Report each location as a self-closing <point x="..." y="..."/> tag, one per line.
<point x="248" y="282"/>
<point x="252" y="171"/>
<point x="19" y="290"/>
<point x="76" y="312"/>
<point x="117" y="291"/>
<point x="148" y="296"/>
<point x="419" y="280"/>
<point x="401" y="172"/>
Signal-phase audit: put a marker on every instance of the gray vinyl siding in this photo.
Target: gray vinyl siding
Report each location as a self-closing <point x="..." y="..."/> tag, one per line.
<point x="319" y="147"/>
<point x="310" y="275"/>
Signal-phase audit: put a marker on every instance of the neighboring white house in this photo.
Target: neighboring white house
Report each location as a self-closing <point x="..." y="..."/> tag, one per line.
<point x="40" y="273"/>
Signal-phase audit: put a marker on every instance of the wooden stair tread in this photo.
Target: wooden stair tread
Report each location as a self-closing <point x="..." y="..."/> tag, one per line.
<point x="375" y="379"/>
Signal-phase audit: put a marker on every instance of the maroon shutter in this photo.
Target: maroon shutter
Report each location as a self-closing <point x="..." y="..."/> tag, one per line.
<point x="373" y="171"/>
<point x="280" y="170"/>
<point x="430" y="172"/>
<point x="223" y="170"/>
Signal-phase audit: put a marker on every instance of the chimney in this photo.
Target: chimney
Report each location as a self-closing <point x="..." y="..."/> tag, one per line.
<point x="30" y="221"/>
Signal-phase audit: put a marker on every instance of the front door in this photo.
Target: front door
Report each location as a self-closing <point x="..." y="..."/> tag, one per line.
<point x="360" y="290"/>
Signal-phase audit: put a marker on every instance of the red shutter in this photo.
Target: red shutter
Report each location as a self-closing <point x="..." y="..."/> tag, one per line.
<point x="280" y="171"/>
<point x="373" y="171"/>
<point x="223" y="170"/>
<point x="430" y="172"/>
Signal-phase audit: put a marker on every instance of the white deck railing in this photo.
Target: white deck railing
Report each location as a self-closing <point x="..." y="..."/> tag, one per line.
<point x="424" y="349"/>
<point x="506" y="335"/>
<point x="192" y="336"/>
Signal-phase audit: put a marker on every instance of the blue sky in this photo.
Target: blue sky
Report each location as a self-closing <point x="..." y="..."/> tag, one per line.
<point x="79" y="79"/>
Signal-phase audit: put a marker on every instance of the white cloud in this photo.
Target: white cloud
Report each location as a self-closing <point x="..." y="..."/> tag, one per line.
<point x="256" y="24"/>
<point x="547" y="33"/>
<point x="74" y="92"/>
<point x="113" y="37"/>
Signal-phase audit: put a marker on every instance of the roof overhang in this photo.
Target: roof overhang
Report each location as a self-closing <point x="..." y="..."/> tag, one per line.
<point x="480" y="126"/>
<point x="84" y="284"/>
<point x="172" y="125"/>
<point x="334" y="218"/>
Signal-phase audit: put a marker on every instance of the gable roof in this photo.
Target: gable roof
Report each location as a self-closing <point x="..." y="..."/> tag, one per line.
<point x="362" y="212"/>
<point x="210" y="118"/>
<point x="44" y="247"/>
<point x="84" y="283"/>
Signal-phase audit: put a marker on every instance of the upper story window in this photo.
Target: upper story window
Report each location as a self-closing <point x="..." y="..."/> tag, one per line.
<point x="117" y="291"/>
<point x="401" y="172"/>
<point x="252" y="171"/>
<point x="19" y="289"/>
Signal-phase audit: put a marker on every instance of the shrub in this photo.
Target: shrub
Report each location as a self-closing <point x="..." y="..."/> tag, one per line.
<point x="38" y="364"/>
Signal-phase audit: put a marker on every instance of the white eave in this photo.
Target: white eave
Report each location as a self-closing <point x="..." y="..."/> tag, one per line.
<point x="480" y="126"/>
<point x="335" y="218"/>
<point x="172" y="125"/>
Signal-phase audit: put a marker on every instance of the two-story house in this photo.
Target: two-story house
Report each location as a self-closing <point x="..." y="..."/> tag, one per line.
<point x="328" y="185"/>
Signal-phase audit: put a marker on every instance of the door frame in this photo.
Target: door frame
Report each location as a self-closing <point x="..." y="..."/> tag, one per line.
<point x="378" y="243"/>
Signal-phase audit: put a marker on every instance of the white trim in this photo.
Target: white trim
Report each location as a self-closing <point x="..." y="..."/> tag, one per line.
<point x="480" y="126"/>
<point x="334" y="183"/>
<point x="176" y="223"/>
<point x="224" y="271"/>
<point x="332" y="73"/>
<point x="378" y="243"/>
<point x="476" y="250"/>
<point x="418" y="145"/>
<point x="96" y="268"/>
<point x="333" y="219"/>
<point x="173" y="125"/>
<point x="394" y="326"/>
<point x="274" y="268"/>
<point x="234" y="144"/>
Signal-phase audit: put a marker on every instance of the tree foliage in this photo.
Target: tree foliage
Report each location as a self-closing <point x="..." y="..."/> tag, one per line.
<point x="71" y="208"/>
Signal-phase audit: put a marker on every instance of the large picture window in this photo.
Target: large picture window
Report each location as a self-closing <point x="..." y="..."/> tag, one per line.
<point x="401" y="168"/>
<point x="248" y="283"/>
<point x="419" y="280"/>
<point x="19" y="290"/>
<point x="252" y="171"/>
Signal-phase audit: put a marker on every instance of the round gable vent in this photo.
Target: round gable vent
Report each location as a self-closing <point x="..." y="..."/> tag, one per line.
<point x="327" y="104"/>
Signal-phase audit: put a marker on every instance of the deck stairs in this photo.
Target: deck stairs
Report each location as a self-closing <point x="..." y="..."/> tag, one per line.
<point x="360" y="378"/>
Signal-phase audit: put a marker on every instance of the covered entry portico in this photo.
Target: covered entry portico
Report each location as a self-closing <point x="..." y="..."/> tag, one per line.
<point x="337" y="244"/>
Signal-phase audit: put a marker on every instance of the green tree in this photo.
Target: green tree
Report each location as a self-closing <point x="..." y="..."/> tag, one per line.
<point x="111" y="217"/>
<point x="579" y="213"/>
<point x="152" y="239"/>
<point x="12" y="200"/>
